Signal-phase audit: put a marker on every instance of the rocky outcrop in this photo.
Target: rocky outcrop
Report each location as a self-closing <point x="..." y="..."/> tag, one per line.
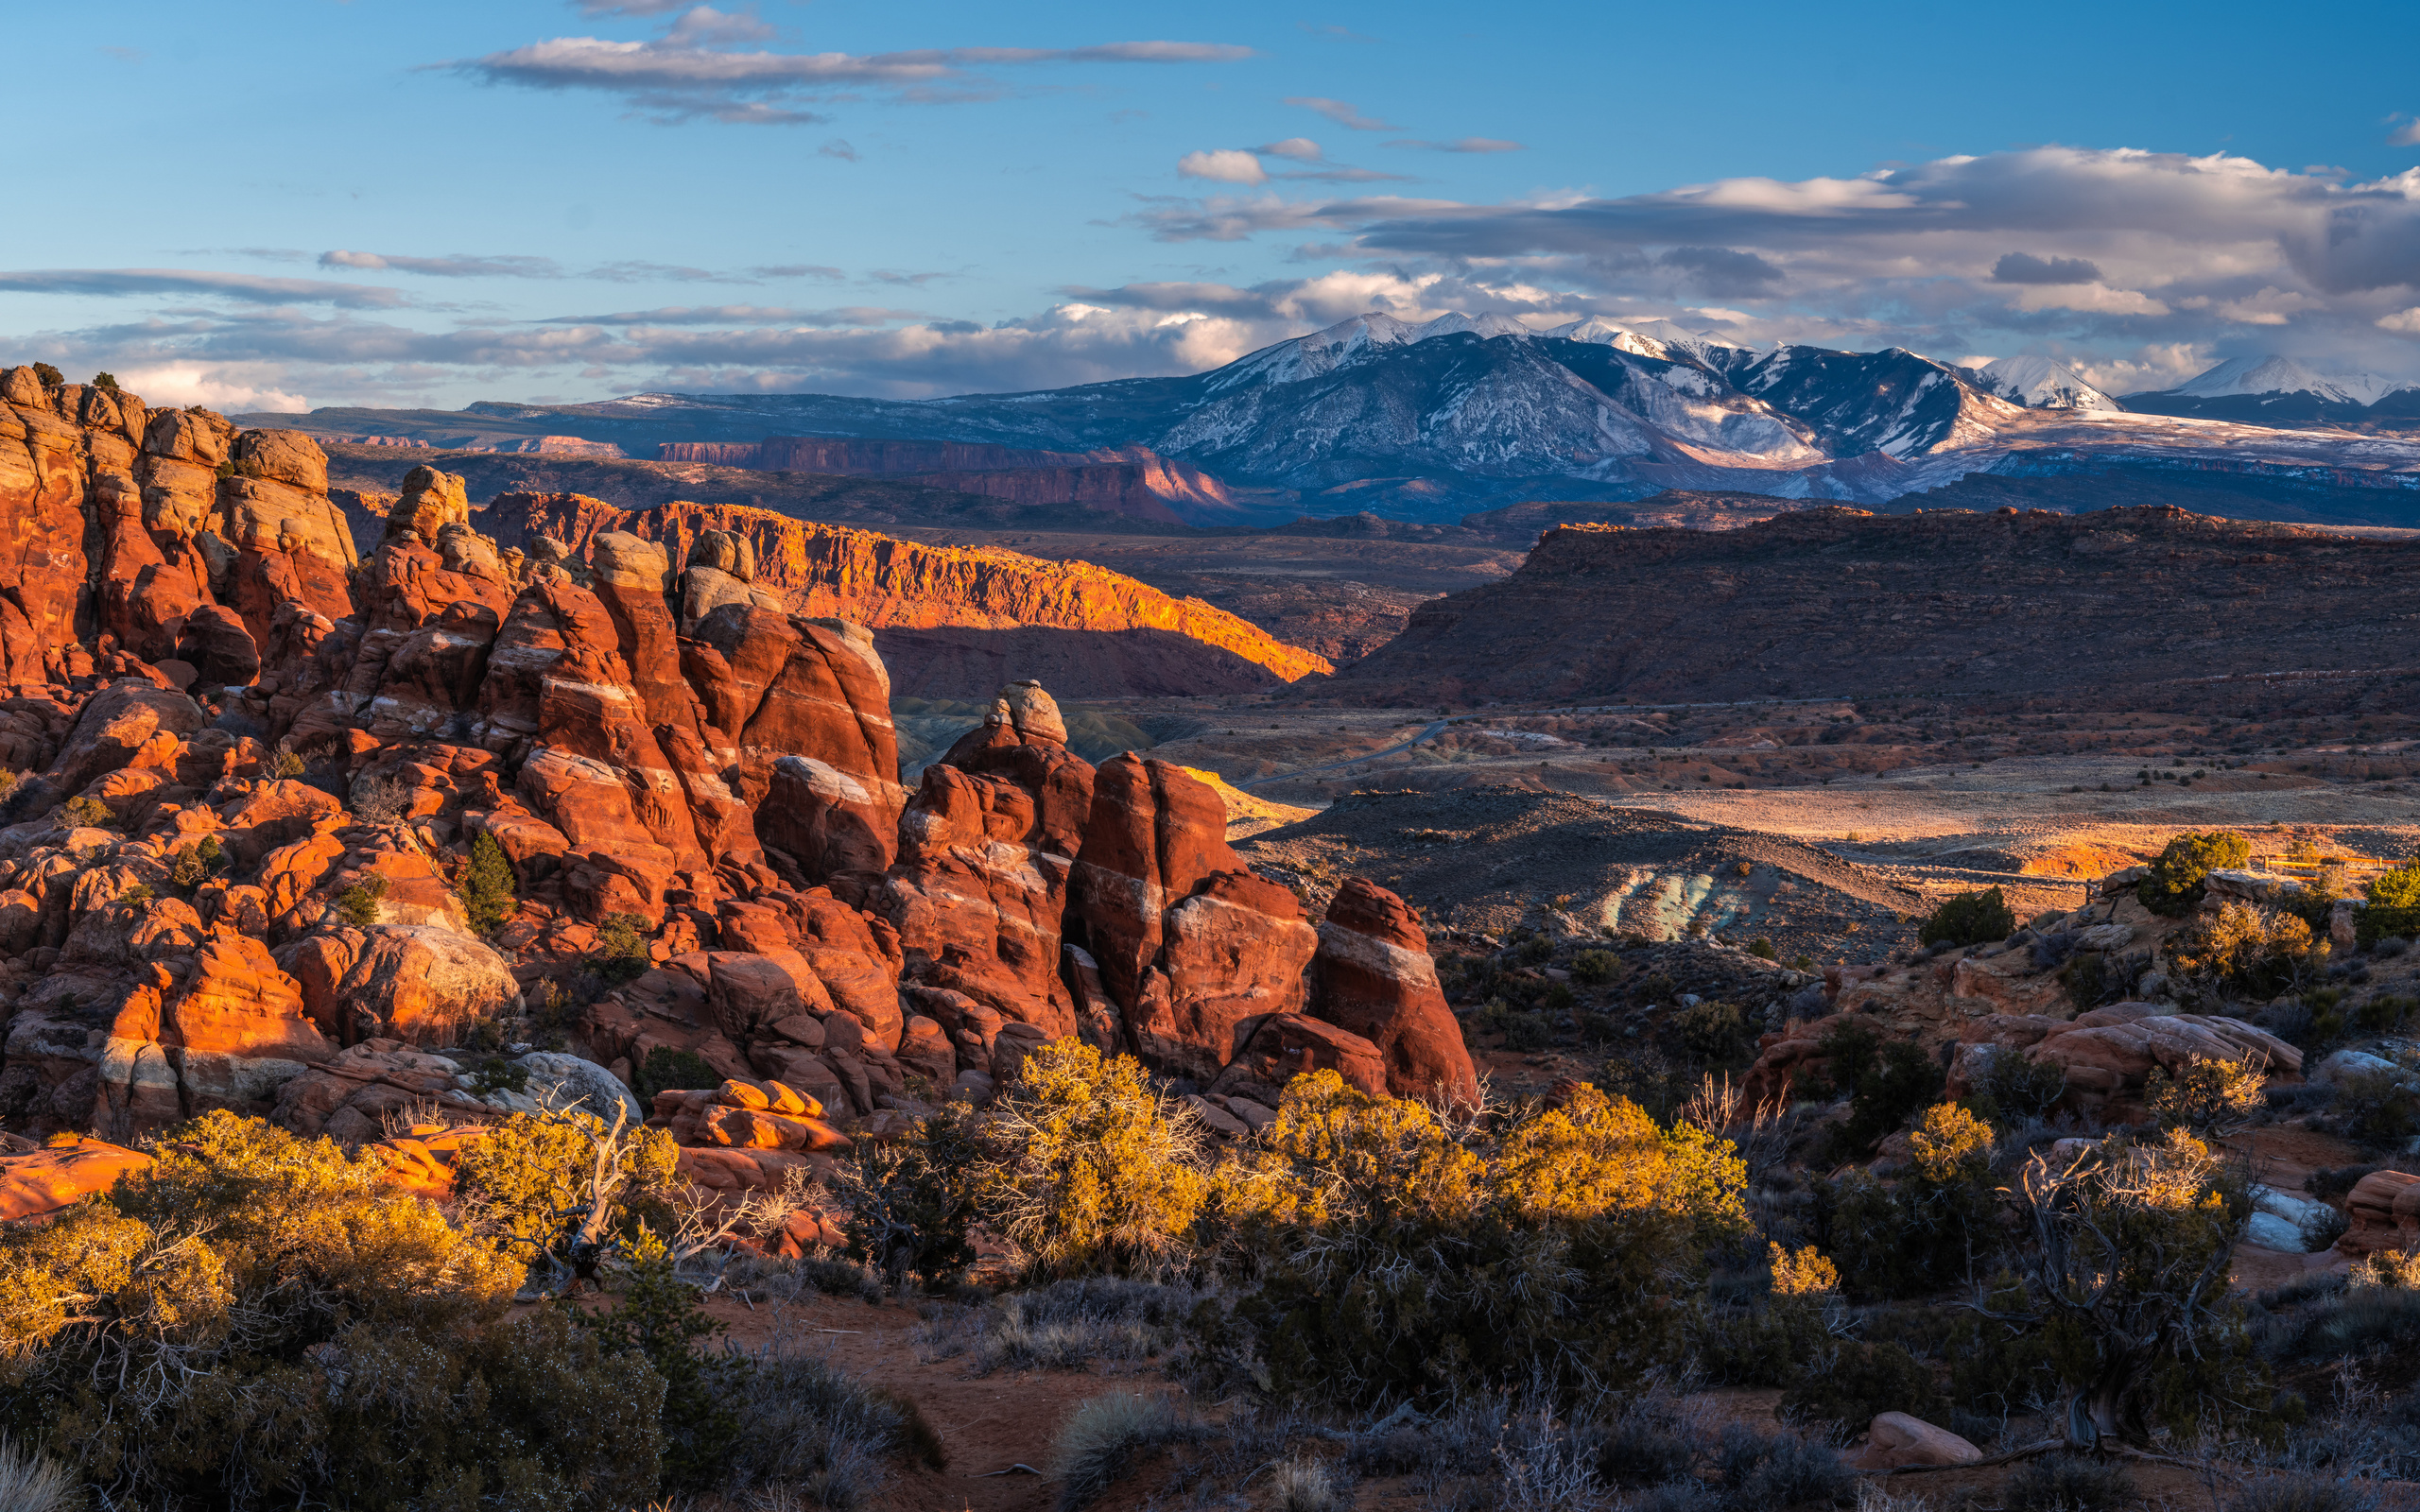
<point x="880" y="582"/>
<point x="1374" y="975"/>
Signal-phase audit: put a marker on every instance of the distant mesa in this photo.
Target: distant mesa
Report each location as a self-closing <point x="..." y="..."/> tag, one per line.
<point x="1132" y="481"/>
<point x="2144" y="604"/>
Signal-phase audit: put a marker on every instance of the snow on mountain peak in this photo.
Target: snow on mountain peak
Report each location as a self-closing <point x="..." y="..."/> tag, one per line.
<point x="2037" y="382"/>
<point x="2273" y="374"/>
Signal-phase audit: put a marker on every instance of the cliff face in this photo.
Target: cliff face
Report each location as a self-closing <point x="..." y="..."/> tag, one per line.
<point x="821" y="570"/>
<point x="1132" y="480"/>
<point x="1838" y="603"/>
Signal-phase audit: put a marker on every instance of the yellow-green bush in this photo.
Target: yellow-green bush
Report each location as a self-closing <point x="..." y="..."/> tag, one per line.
<point x="531" y="1182"/>
<point x="2207" y="1097"/>
<point x="1089" y="1169"/>
<point x="1404" y="1258"/>
<point x="257" y="1322"/>
<point x="2259" y="952"/>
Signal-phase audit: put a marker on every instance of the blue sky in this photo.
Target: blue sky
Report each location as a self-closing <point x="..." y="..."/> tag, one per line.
<point x="307" y="203"/>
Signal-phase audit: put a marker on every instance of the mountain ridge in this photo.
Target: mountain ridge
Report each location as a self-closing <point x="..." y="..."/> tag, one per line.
<point x="1431" y="421"/>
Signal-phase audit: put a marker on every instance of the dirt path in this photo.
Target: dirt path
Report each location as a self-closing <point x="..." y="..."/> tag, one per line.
<point x="987" y="1423"/>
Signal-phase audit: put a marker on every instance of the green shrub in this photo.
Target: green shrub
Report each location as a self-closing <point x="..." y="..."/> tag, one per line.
<point x="2395" y="904"/>
<point x="531" y="1187"/>
<point x="87" y="814"/>
<point x="2174" y="888"/>
<point x="1997" y="1367"/>
<point x="1885" y="1084"/>
<point x="286" y="766"/>
<point x="2014" y="1087"/>
<point x="805" y="1425"/>
<point x="1526" y="1032"/>
<point x="1763" y="950"/>
<point x="50" y="377"/>
<point x="621" y="953"/>
<point x="1718" y="1033"/>
<point x="1779" y="1471"/>
<point x="670" y="1070"/>
<point x="2255" y="950"/>
<point x="1921" y="1234"/>
<point x="1969" y="918"/>
<point x="257" y="1321"/>
<point x="499" y="1076"/>
<point x="359" y="904"/>
<point x="2210" y="1097"/>
<point x="105" y="381"/>
<point x="659" y="1317"/>
<point x="489" y="892"/>
<point x="2376" y="1107"/>
<point x="1596" y="968"/>
<point x="197" y="864"/>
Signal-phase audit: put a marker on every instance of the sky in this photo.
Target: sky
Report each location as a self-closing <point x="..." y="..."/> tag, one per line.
<point x="289" y="204"/>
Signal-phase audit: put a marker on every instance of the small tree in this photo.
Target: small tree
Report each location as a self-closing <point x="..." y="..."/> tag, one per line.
<point x="50" y="377"/>
<point x="105" y="381"/>
<point x="1970" y="918"/>
<point x="489" y="892"/>
<point x="2176" y="883"/>
<point x="197" y="864"/>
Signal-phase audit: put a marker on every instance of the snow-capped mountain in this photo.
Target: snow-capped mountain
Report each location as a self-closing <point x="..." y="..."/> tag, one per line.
<point x="1432" y="420"/>
<point x="2037" y="382"/>
<point x="2283" y="375"/>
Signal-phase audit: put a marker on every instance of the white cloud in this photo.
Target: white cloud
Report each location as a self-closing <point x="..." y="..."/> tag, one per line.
<point x="1299" y="149"/>
<point x="2403" y="322"/>
<point x="2270" y="306"/>
<point x="2094" y="297"/>
<point x="1224" y="164"/>
<point x="2408" y="133"/>
<point x="178" y="384"/>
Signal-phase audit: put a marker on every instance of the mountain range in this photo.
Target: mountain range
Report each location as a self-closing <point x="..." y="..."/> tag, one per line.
<point x="1430" y="420"/>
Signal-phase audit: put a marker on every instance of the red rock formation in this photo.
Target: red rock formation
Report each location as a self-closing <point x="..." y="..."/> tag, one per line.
<point x="877" y="581"/>
<point x="1372" y="975"/>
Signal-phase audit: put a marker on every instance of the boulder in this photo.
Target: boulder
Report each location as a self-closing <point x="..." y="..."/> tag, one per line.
<point x="415" y="983"/>
<point x="1895" y="1440"/>
<point x="1374" y="975"/>
<point x="2382" y="1212"/>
